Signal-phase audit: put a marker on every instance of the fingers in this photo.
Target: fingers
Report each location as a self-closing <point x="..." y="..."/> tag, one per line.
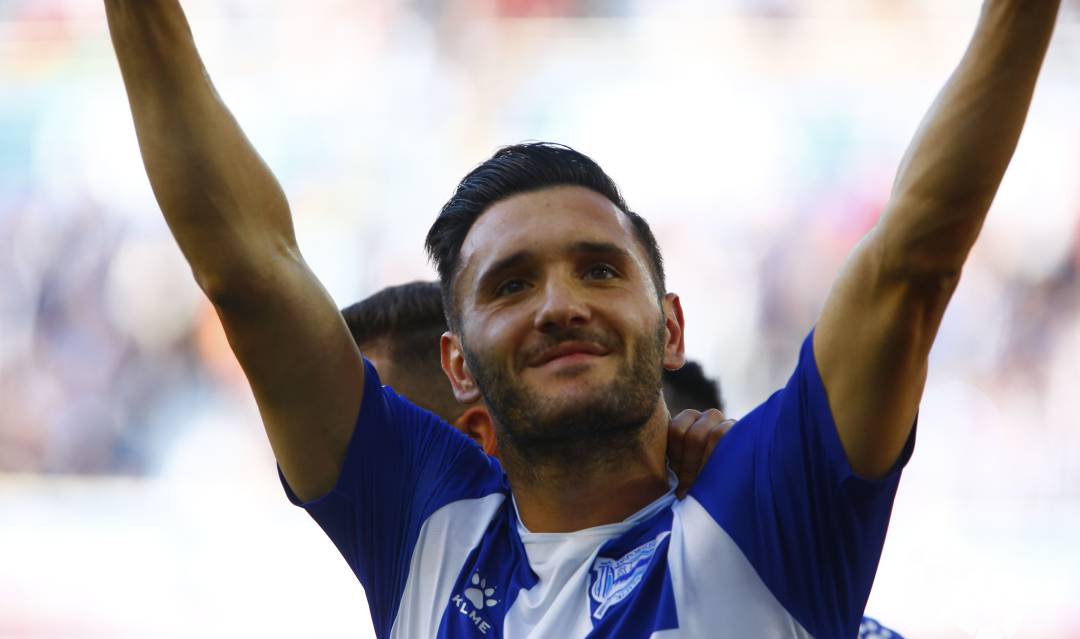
<point x="713" y="438"/>
<point x="693" y="449"/>
<point x="676" y="432"/>
<point x="698" y="442"/>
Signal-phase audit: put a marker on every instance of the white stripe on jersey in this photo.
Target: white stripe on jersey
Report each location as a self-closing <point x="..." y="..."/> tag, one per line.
<point x="717" y="591"/>
<point x="446" y="539"/>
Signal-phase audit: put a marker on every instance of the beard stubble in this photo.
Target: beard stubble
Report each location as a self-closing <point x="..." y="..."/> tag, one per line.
<point x="536" y="431"/>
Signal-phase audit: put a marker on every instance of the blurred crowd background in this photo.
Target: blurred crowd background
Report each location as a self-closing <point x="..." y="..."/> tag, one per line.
<point x="138" y="496"/>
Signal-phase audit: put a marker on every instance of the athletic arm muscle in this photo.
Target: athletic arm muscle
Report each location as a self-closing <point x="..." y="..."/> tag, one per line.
<point x="231" y="219"/>
<point x="875" y="332"/>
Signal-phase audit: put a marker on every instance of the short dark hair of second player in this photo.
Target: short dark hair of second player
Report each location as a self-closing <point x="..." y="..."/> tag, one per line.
<point x="407" y="321"/>
<point x="408" y="314"/>
<point x="689" y="387"/>
<point x="522" y="168"/>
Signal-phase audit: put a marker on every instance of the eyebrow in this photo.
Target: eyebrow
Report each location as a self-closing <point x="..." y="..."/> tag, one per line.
<point x="502" y="265"/>
<point x="518" y="259"/>
<point x="600" y="248"/>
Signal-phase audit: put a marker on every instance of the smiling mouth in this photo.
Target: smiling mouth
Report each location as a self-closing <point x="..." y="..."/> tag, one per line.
<point x="578" y="357"/>
<point x="569" y="352"/>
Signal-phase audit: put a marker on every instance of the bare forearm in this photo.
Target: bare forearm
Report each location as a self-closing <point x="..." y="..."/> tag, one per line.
<point x="952" y="170"/>
<point x="232" y="222"/>
<point x="222" y="203"/>
<point x="880" y="320"/>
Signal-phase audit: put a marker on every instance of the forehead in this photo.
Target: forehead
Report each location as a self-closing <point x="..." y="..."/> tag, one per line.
<point x="544" y="222"/>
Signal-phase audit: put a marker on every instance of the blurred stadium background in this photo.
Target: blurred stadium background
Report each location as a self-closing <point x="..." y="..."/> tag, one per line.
<point x="138" y="496"/>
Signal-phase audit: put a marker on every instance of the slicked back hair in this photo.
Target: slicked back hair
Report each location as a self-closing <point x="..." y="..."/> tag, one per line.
<point x="689" y="387"/>
<point x="513" y="170"/>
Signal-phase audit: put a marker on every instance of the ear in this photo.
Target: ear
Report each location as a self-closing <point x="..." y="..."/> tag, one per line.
<point x="476" y="423"/>
<point x="457" y="371"/>
<point x="675" y="346"/>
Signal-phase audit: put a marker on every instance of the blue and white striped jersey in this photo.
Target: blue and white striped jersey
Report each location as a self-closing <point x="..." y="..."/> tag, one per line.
<point x="777" y="538"/>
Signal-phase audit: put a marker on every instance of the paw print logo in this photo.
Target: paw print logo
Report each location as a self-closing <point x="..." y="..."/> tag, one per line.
<point x="480" y="595"/>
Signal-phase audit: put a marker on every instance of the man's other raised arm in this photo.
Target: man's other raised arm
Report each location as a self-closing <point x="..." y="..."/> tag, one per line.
<point x="874" y="335"/>
<point x="232" y="222"/>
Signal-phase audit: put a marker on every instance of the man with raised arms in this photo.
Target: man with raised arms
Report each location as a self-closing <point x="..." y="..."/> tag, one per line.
<point x="560" y="318"/>
<point x="399" y="328"/>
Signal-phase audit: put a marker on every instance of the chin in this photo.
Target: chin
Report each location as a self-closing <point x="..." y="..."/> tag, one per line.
<point x="569" y="404"/>
<point x="575" y="388"/>
<point x="576" y="402"/>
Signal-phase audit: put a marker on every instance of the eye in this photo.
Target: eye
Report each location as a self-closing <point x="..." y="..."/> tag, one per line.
<point x="601" y="272"/>
<point x="509" y="287"/>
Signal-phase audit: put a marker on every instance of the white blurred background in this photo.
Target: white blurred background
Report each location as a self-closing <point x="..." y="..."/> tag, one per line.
<point x="138" y="497"/>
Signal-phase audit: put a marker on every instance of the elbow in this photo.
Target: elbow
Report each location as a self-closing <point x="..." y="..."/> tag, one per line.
<point x="934" y="273"/>
<point x="921" y="290"/>
<point x="227" y="290"/>
<point x="222" y="290"/>
<point x="926" y="258"/>
<point x="242" y="284"/>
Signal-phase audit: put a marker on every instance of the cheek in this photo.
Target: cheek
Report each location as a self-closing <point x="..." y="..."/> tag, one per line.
<point x="633" y="317"/>
<point x="494" y="336"/>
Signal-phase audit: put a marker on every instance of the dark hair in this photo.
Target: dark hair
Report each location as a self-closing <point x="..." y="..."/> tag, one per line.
<point x="688" y="387"/>
<point x="408" y="320"/>
<point x="513" y="170"/>
<point x="396" y="311"/>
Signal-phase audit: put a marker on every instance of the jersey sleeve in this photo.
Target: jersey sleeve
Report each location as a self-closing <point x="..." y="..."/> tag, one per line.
<point x="780" y="485"/>
<point x="402" y="464"/>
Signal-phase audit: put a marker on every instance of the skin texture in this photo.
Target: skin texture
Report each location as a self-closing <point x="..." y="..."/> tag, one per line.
<point x="873" y="339"/>
<point x="537" y="268"/>
<point x="232" y="222"/>
<point x="545" y="430"/>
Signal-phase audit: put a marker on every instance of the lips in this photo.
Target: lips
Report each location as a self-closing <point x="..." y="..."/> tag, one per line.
<point x="567" y="348"/>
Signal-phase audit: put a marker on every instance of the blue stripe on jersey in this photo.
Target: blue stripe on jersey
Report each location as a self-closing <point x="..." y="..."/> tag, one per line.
<point x="871" y="628"/>
<point x="490" y="580"/>
<point x="779" y="483"/>
<point x="402" y="464"/>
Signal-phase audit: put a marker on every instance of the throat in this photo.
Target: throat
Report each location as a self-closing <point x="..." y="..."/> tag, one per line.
<point x="581" y="489"/>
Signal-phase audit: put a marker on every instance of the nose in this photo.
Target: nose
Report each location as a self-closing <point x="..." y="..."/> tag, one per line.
<point x="562" y="306"/>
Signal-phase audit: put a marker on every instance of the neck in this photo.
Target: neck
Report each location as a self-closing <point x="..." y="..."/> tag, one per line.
<point x="590" y="484"/>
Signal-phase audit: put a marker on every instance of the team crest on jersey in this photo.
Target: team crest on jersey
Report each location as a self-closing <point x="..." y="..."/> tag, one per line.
<point x="615" y="579"/>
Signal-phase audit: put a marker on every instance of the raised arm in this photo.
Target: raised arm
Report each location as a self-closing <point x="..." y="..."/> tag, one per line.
<point x="874" y="335"/>
<point x="232" y="222"/>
